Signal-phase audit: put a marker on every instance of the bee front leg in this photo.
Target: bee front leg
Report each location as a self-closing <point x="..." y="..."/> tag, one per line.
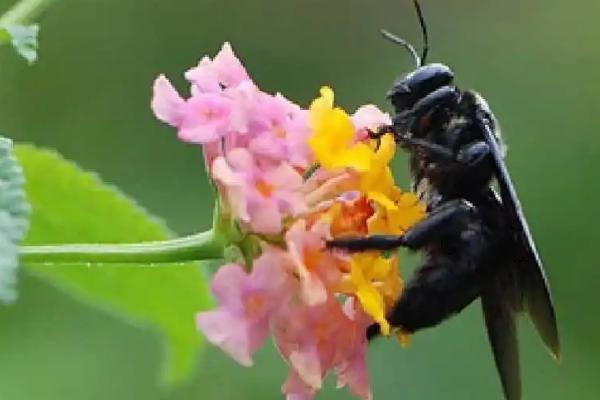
<point x="473" y="154"/>
<point x="449" y="218"/>
<point x="468" y="156"/>
<point x="379" y="132"/>
<point x="433" y="150"/>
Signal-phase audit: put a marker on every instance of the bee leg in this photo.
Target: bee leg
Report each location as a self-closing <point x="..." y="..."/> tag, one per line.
<point x="435" y="151"/>
<point x="473" y="154"/>
<point x="473" y="160"/>
<point x="443" y="97"/>
<point x="469" y="156"/>
<point x="373" y="242"/>
<point x="379" y="132"/>
<point x="450" y="218"/>
<point x="446" y="219"/>
<point x="418" y="119"/>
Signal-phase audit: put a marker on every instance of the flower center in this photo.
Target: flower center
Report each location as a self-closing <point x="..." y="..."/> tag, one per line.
<point x="255" y="305"/>
<point x="279" y="132"/>
<point x="264" y="188"/>
<point x="208" y="113"/>
<point x="351" y="218"/>
<point x="312" y="257"/>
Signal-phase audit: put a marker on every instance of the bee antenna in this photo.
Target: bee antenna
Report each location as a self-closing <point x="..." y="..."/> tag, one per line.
<point x="423" y="31"/>
<point x="395" y="39"/>
<point x="419" y="61"/>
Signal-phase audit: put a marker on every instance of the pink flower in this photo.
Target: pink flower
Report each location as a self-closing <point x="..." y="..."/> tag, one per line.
<point x="247" y="302"/>
<point x="225" y="70"/>
<point x="259" y="195"/>
<point x="371" y="117"/>
<point x="202" y="119"/>
<point x="166" y="103"/>
<point x="206" y="118"/>
<point x="318" y="339"/>
<point x="226" y="107"/>
<point x="304" y="338"/>
<point x="353" y="373"/>
<point x="316" y="269"/>
<point x="295" y="388"/>
<point x="352" y="367"/>
<point x="245" y="114"/>
<point x="282" y="131"/>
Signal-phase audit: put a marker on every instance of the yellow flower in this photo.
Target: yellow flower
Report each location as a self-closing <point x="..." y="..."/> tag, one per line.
<point x="333" y="136"/>
<point x="376" y="284"/>
<point x="378" y="179"/>
<point x="391" y="284"/>
<point x="381" y="208"/>
<point x="350" y="217"/>
<point x="395" y="215"/>
<point x="395" y="211"/>
<point x="333" y="145"/>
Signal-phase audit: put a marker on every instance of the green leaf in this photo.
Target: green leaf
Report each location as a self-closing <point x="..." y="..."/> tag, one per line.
<point x="14" y="217"/>
<point x="23" y="38"/>
<point x="70" y="205"/>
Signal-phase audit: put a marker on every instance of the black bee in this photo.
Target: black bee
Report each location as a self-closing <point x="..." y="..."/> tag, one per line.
<point x="475" y="242"/>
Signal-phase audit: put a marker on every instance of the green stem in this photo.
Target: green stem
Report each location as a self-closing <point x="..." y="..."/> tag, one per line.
<point x="24" y="11"/>
<point x="202" y="246"/>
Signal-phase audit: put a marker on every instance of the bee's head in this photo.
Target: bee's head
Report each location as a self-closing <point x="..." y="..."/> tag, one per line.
<point x="418" y="84"/>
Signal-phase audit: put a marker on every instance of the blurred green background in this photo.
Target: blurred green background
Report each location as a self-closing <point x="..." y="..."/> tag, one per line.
<point x="536" y="62"/>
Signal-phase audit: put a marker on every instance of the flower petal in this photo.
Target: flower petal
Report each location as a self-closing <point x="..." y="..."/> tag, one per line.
<point x="205" y="118"/>
<point x="370" y="298"/>
<point x="354" y="374"/>
<point x="233" y="188"/>
<point x="228" y="284"/>
<point x="228" y="333"/>
<point x="265" y="219"/>
<point x="229" y="69"/>
<point x="295" y="388"/>
<point x="307" y="364"/>
<point x="166" y="103"/>
<point x="204" y="77"/>
<point x="370" y="117"/>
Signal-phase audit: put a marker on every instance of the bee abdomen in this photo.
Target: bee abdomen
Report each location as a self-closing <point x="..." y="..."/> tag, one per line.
<point x="438" y="290"/>
<point x="449" y="279"/>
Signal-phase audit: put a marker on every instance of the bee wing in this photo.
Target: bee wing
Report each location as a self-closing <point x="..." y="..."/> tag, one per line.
<point x="535" y="295"/>
<point x="502" y="333"/>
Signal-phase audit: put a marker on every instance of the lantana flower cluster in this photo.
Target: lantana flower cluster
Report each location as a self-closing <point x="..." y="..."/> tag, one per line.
<point x="291" y="179"/>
